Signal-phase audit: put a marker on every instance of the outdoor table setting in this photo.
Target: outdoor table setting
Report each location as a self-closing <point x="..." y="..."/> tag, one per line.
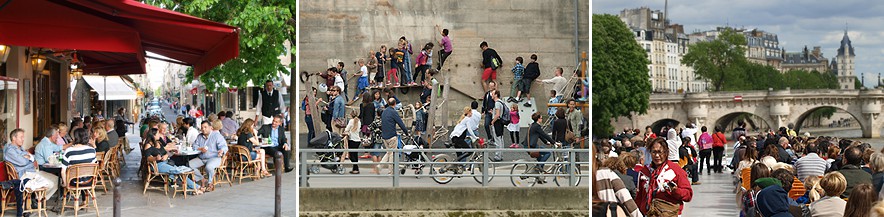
<point x="54" y="167"/>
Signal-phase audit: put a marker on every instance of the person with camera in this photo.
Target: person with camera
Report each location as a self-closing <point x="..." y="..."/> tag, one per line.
<point x="663" y="185"/>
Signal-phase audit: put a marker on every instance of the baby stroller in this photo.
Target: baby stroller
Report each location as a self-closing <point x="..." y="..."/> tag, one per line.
<point x="327" y="140"/>
<point x="414" y="160"/>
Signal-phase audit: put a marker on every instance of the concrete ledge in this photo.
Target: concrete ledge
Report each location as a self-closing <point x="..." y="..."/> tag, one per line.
<point x="428" y="198"/>
<point x="451" y="213"/>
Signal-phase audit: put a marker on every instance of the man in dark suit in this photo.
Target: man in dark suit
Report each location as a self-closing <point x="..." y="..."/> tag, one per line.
<point x="278" y="141"/>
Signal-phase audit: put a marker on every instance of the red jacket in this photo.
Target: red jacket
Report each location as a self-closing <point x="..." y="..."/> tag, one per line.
<point x="651" y="186"/>
<point x="718" y="140"/>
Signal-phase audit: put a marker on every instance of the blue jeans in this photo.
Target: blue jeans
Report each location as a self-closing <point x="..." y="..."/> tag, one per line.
<point x="543" y="157"/>
<point x="164" y="167"/>
<point x="310" y="131"/>
<point x="406" y="72"/>
<point x="488" y="126"/>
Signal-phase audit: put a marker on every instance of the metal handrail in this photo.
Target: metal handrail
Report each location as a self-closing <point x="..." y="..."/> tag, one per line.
<point x="485" y="162"/>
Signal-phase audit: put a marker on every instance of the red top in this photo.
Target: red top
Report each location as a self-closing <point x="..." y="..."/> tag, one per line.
<point x="652" y="185"/>
<point x="718" y="140"/>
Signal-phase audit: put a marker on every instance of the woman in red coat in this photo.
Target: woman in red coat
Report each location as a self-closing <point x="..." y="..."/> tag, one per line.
<point x="662" y="179"/>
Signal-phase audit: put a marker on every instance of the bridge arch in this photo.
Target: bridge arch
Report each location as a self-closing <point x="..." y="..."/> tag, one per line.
<point x="808" y="114"/>
<point x="659" y="124"/>
<point x="753" y="121"/>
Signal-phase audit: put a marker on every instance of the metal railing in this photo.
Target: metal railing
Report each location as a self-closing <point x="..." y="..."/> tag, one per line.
<point x="571" y="162"/>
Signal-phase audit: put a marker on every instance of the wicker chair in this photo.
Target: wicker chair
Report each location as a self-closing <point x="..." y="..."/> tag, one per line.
<point x="221" y="174"/>
<point x="245" y="166"/>
<point x="152" y="174"/>
<point x="79" y="179"/>
<point x="27" y="202"/>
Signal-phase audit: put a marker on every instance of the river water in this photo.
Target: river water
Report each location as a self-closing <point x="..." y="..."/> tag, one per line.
<point x="849" y="133"/>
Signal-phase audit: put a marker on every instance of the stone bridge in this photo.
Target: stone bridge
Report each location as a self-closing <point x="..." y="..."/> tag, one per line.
<point x="774" y="108"/>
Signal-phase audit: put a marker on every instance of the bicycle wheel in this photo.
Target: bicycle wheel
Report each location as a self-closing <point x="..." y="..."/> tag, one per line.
<point x="476" y="169"/>
<point x="563" y="175"/>
<point x="443" y="172"/>
<point x="525" y="179"/>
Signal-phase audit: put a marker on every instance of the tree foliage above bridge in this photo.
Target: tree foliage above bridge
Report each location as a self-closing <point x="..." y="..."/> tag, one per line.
<point x="718" y="60"/>
<point x="620" y="73"/>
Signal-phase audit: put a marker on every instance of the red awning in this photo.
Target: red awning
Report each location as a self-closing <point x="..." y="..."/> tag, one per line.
<point x="112" y="36"/>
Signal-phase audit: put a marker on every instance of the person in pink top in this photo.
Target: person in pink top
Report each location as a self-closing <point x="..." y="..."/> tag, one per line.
<point x="705" y="145"/>
<point x="513" y="127"/>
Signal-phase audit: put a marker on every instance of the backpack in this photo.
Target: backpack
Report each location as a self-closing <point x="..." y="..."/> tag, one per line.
<point x="304" y="104"/>
<point x="504" y="114"/>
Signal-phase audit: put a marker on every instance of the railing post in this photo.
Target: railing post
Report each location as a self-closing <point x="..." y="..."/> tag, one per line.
<point x="304" y="166"/>
<point x="277" y="210"/>
<point x="117" y="197"/>
<point x="571" y="169"/>
<point x="395" y="168"/>
<point x="484" y="167"/>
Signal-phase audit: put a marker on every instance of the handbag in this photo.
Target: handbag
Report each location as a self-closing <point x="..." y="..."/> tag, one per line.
<point x="339" y="123"/>
<point x="660" y="207"/>
<point x="534" y="154"/>
<point x="569" y="135"/>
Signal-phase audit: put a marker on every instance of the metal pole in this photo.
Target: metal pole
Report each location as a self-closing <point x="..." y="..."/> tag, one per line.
<point x="117" y="197"/>
<point x="571" y="169"/>
<point x="395" y="169"/>
<point x="577" y="33"/>
<point x="484" y="167"/>
<point x="105" y="95"/>
<point x="278" y="198"/>
<point x="303" y="160"/>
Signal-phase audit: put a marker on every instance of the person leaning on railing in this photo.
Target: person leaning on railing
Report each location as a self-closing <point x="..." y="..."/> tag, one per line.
<point x="535" y="132"/>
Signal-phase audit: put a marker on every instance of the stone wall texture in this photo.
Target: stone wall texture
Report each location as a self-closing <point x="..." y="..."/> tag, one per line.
<point x="347" y="30"/>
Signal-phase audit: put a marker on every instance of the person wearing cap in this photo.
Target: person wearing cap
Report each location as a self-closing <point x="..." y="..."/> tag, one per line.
<point x="772" y="201"/>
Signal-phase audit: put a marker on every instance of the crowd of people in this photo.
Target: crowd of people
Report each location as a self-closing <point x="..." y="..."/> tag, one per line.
<point x="775" y="173"/>
<point x="374" y="124"/>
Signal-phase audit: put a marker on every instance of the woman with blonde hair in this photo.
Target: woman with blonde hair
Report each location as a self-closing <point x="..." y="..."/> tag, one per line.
<point x="461" y="131"/>
<point x="246" y="137"/>
<point x="62" y="134"/>
<point x="830" y="204"/>
<point x="100" y="139"/>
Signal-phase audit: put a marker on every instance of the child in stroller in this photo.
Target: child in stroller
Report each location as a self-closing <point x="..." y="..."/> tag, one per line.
<point x="327" y="140"/>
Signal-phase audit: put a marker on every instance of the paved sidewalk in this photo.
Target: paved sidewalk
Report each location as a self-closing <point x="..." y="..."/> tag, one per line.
<point x="714" y="197"/>
<point x="251" y="198"/>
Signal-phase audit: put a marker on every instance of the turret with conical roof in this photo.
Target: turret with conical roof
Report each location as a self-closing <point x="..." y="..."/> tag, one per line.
<point x="843" y="65"/>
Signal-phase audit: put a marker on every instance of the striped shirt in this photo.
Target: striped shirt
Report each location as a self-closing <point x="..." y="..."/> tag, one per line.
<point x="810" y="165"/>
<point x="78" y="154"/>
<point x="612" y="189"/>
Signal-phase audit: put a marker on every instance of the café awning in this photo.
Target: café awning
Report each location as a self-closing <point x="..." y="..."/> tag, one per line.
<point x="112" y="36"/>
<point x="117" y="89"/>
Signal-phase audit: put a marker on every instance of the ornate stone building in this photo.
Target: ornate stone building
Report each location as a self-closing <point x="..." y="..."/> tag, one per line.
<point x="843" y="65"/>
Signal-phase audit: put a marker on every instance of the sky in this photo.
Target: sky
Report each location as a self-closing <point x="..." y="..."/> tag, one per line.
<point x="797" y="23"/>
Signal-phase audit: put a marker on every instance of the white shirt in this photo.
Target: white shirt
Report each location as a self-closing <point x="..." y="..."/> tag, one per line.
<point x="559" y="84"/>
<point x="464" y="125"/>
<point x="474" y="120"/>
<point x="364" y="70"/>
<point x="191" y="135"/>
<point x="339" y="82"/>
<point x="353" y="130"/>
<point x="690" y="132"/>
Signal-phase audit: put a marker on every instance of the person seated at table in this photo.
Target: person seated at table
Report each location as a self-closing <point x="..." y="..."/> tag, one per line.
<point x="161" y="154"/>
<point x="24" y="162"/>
<point x="80" y="152"/>
<point x="62" y="138"/>
<point x="191" y="132"/>
<point x="230" y="126"/>
<point x="278" y="141"/>
<point x="164" y="133"/>
<point x="112" y="137"/>
<point x="212" y="145"/>
<point x="46" y="148"/>
<point x="99" y="136"/>
<point x="246" y="137"/>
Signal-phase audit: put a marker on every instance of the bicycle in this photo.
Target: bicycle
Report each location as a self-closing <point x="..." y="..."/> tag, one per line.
<point x="446" y="172"/>
<point x="529" y="174"/>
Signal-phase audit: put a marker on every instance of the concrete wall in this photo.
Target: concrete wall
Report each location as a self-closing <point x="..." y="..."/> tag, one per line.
<point x="430" y="199"/>
<point x="351" y="29"/>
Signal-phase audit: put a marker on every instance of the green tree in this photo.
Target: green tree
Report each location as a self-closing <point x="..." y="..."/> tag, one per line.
<point x="718" y="60"/>
<point x="264" y="26"/>
<point x="620" y="73"/>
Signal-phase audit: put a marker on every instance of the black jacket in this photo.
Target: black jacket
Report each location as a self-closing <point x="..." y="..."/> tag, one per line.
<point x="535" y="132"/>
<point x="266" y="130"/>
<point x="488" y="55"/>
<point x="532" y="71"/>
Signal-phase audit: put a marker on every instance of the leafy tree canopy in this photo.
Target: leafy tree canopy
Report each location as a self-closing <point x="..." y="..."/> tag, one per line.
<point x="718" y="60"/>
<point x="264" y="26"/>
<point x="620" y="73"/>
